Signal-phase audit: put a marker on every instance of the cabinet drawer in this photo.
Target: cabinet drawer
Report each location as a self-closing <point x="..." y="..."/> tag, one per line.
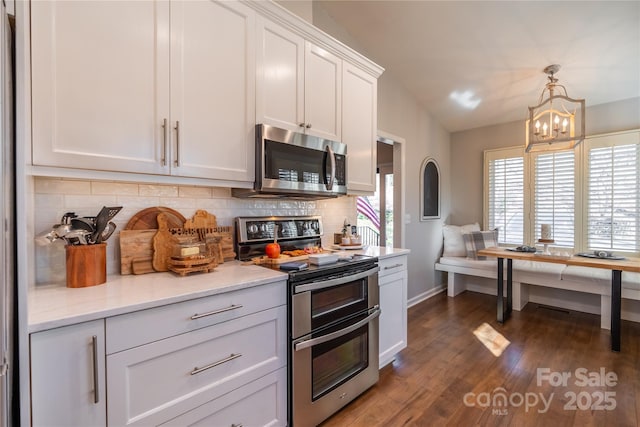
<point x="392" y="265"/>
<point x="159" y="381"/>
<point x="145" y="326"/>
<point x="262" y="402"/>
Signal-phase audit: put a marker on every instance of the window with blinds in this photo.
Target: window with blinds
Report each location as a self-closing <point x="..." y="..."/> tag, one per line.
<point x="554" y="195"/>
<point x="613" y="194"/>
<point x="504" y="199"/>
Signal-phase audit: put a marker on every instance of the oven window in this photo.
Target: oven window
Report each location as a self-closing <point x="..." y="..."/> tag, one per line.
<point x="331" y="304"/>
<point x="335" y="362"/>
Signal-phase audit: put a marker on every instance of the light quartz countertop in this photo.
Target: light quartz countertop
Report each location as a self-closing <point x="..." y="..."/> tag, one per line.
<point x="52" y="306"/>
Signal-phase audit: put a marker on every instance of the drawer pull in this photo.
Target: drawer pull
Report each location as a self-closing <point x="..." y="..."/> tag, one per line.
<point x="393" y="266"/>
<point x="237" y="425"/>
<point x="96" y="384"/>
<point x="211" y="313"/>
<point x="214" y="364"/>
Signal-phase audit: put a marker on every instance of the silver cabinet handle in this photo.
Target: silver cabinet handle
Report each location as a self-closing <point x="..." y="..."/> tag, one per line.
<point x="337" y="334"/>
<point x="163" y="161"/>
<point x="232" y="356"/>
<point x="393" y="266"/>
<point x="211" y="313"/>
<point x="333" y="282"/>
<point x="96" y="379"/>
<point x="236" y="425"/>
<point x="177" y="128"/>
<point x="332" y="177"/>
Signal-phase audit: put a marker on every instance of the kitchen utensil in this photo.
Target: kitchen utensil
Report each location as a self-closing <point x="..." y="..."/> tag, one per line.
<point x="83" y="224"/>
<point x="105" y="215"/>
<point x="78" y="237"/>
<point x="111" y="227"/>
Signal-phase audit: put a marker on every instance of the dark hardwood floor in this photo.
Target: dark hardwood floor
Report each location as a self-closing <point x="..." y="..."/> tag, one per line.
<point x="444" y="362"/>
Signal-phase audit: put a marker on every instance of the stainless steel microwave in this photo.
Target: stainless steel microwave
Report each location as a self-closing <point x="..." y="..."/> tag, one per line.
<point x="294" y="165"/>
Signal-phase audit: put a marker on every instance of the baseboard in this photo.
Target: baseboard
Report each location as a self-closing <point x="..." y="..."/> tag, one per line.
<point x="425" y="295"/>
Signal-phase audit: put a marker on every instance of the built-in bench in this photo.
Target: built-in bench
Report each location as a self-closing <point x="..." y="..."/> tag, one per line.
<point x="467" y="274"/>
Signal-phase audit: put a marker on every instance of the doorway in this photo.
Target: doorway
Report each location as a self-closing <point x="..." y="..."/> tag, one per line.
<point x="380" y="217"/>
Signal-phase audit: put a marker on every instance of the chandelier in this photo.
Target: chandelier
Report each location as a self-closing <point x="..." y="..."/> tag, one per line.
<point x="557" y="122"/>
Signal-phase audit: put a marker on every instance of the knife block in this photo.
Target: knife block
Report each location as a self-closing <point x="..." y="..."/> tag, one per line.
<point x="86" y="265"/>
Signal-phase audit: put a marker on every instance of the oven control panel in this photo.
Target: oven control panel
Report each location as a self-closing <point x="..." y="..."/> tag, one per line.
<point x="252" y="229"/>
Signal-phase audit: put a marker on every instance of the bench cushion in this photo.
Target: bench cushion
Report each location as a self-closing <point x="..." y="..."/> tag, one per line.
<point x="461" y="261"/>
<point x="600" y="276"/>
<point x="541" y="270"/>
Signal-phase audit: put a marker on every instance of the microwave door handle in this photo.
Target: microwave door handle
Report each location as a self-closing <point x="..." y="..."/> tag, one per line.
<point x="332" y="177"/>
<point x="314" y="286"/>
<point x="337" y="334"/>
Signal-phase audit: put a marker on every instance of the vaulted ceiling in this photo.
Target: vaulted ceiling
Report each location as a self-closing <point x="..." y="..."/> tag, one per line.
<point x="492" y="53"/>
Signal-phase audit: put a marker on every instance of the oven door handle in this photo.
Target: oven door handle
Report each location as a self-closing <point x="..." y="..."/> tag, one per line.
<point x="375" y="312"/>
<point x="333" y="282"/>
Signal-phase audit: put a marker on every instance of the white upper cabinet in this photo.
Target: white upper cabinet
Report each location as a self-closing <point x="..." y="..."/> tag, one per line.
<point x="323" y="93"/>
<point x="100" y="84"/>
<point x="280" y="77"/>
<point x="359" y="127"/>
<point x="299" y="85"/>
<point x="213" y="90"/>
<point x="146" y="87"/>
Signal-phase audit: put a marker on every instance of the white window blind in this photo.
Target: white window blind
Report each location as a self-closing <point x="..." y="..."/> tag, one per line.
<point x="613" y="196"/>
<point x="505" y="195"/>
<point x="554" y="199"/>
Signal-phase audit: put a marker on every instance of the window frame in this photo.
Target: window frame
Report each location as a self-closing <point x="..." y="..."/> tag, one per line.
<point x="581" y="187"/>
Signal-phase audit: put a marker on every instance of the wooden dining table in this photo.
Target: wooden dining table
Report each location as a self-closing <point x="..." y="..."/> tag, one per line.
<point x="616" y="267"/>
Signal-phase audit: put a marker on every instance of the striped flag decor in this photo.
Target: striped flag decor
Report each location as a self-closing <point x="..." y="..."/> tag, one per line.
<point x="364" y="207"/>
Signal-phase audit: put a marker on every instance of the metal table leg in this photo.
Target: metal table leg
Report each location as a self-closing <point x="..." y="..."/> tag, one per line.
<point x="616" y="296"/>
<point x="501" y="318"/>
<point x="504" y="312"/>
<point x="509" y="287"/>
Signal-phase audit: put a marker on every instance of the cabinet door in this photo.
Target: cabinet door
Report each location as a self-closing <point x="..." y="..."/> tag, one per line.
<point x="100" y="84"/>
<point x="323" y="93"/>
<point x="68" y="376"/>
<point x="213" y="90"/>
<point x="280" y="77"/>
<point x="359" y="127"/>
<point x="393" y="319"/>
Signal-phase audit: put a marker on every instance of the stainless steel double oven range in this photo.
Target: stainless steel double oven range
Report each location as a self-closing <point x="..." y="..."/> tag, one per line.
<point x="333" y="319"/>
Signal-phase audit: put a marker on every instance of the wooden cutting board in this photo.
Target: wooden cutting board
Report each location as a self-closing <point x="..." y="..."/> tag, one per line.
<point x="264" y="260"/>
<point x="163" y="244"/>
<point x="147" y="219"/>
<point x="136" y="246"/>
<point x="201" y="219"/>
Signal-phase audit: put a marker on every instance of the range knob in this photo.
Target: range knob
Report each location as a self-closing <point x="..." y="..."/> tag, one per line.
<point x="252" y="229"/>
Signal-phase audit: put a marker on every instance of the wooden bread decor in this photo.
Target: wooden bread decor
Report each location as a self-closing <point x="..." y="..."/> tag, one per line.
<point x="163" y="243"/>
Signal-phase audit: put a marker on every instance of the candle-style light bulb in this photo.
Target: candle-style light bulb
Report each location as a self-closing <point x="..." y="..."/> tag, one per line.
<point x="564" y="126"/>
<point x="537" y="132"/>
<point x="544" y="129"/>
<point x="556" y="123"/>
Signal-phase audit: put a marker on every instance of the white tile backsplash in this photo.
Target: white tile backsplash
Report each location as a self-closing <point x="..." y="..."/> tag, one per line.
<point x="54" y="197"/>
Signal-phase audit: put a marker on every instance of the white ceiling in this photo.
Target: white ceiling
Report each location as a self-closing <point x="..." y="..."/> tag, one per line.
<point x="497" y="51"/>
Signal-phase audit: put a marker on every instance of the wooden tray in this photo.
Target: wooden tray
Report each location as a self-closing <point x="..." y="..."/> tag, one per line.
<point x="186" y="266"/>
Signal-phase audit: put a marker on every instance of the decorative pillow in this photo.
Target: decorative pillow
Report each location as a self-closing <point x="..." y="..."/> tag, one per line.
<point x="477" y="240"/>
<point x="453" y="241"/>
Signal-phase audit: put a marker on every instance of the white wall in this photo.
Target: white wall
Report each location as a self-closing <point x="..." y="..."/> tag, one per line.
<point x="467" y="152"/>
<point x="54" y="197"/>
<point x="400" y="114"/>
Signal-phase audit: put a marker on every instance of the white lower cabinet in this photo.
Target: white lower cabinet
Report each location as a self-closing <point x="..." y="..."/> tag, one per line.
<point x="393" y="304"/>
<point x="259" y="403"/>
<point x="153" y="383"/>
<point x="68" y="376"/>
<point x="215" y="360"/>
